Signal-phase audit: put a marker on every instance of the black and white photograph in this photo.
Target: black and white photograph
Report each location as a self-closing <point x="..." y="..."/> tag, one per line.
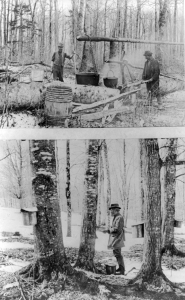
<point x="92" y="150"/>
<point x="91" y="64"/>
<point x="92" y="219"/>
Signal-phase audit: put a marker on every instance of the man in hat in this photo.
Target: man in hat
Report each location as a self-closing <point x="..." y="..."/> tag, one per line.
<point x="58" y="60"/>
<point x="117" y="237"/>
<point x="151" y="73"/>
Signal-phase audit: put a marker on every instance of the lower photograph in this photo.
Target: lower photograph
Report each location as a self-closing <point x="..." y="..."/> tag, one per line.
<point x="92" y="219"/>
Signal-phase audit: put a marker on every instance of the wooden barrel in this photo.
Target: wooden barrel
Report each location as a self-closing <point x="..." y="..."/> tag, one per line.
<point x="58" y="101"/>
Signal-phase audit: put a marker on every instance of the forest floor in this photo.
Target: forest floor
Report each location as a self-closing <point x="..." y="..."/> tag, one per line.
<point x="26" y="95"/>
<point x="17" y="251"/>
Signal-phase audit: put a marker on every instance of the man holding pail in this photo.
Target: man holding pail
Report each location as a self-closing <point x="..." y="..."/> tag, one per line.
<point x="58" y="60"/>
<point x="117" y="237"/>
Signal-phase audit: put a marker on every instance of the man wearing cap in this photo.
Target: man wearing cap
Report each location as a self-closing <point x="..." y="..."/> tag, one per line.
<point x="58" y="60"/>
<point x="117" y="237"/>
<point x="151" y="73"/>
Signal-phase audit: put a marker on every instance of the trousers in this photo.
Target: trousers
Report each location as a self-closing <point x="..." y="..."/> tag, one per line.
<point x="58" y="73"/>
<point x="119" y="257"/>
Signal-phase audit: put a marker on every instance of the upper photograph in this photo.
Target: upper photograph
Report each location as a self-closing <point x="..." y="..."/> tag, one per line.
<point x="87" y="64"/>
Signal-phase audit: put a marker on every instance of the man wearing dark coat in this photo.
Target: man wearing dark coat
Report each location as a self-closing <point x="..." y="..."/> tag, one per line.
<point x="58" y="60"/>
<point x="117" y="237"/>
<point x="151" y="73"/>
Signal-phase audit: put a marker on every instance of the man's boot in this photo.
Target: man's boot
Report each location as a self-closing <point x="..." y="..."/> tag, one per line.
<point x="120" y="270"/>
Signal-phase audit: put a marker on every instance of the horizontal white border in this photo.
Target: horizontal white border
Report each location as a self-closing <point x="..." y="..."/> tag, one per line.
<point x="92" y="133"/>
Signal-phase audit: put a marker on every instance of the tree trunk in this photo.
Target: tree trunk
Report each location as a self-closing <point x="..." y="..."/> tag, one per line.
<point x="169" y="167"/>
<point x="105" y="31"/>
<point x="163" y="7"/>
<point x="7" y="25"/>
<point x="43" y="30"/>
<point x="151" y="271"/>
<point x="138" y="15"/>
<point x="48" y="230"/>
<point x="175" y="21"/>
<point x="86" y="252"/>
<point x="142" y="181"/>
<point x="100" y="184"/>
<point x="56" y="23"/>
<point x="5" y="32"/>
<point x="88" y="59"/>
<point x="125" y="186"/>
<point x="80" y="29"/>
<point x="1" y="23"/>
<point x="50" y="25"/>
<point x="68" y="188"/>
<point x="107" y="170"/>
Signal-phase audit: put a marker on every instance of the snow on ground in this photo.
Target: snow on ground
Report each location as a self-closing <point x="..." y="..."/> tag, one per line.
<point x="19" y="120"/>
<point x="11" y="221"/>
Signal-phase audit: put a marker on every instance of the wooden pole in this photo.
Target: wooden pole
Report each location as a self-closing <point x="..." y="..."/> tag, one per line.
<point x="107" y="39"/>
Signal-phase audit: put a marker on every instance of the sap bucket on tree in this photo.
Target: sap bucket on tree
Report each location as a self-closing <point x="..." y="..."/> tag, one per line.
<point x="110" y="82"/>
<point x="58" y="102"/>
<point x="178" y="223"/>
<point x="29" y="216"/>
<point x="138" y="229"/>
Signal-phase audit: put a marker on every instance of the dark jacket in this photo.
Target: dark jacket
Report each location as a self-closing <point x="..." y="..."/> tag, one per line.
<point x="117" y="234"/>
<point x="58" y="60"/>
<point x="151" y="70"/>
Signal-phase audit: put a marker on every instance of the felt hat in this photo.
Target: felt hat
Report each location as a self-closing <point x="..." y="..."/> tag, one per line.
<point x="114" y="206"/>
<point x="147" y="53"/>
<point x="60" y="45"/>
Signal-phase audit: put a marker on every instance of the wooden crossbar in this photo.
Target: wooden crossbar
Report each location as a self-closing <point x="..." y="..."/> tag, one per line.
<point x="126" y="40"/>
<point x="103" y="102"/>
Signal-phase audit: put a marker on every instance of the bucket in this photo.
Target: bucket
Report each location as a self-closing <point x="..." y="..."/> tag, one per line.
<point x="58" y="103"/>
<point x="177" y="223"/>
<point x="110" y="82"/>
<point x="58" y="109"/>
<point x="87" y="78"/>
<point x="110" y="268"/>
<point x="37" y="75"/>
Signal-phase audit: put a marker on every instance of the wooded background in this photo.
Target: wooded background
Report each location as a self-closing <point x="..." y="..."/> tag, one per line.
<point x="31" y="29"/>
<point x="120" y="176"/>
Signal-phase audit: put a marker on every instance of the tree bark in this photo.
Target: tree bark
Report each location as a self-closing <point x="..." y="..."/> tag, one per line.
<point x="100" y="189"/>
<point x="142" y="181"/>
<point x="88" y="59"/>
<point x="151" y="271"/>
<point x="168" y="218"/>
<point x="68" y="188"/>
<point x="86" y="252"/>
<point x="48" y="230"/>
<point x="107" y="170"/>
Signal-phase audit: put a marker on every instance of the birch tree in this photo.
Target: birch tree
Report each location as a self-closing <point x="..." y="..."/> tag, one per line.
<point x="68" y="188"/>
<point x="86" y="252"/>
<point x="107" y="170"/>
